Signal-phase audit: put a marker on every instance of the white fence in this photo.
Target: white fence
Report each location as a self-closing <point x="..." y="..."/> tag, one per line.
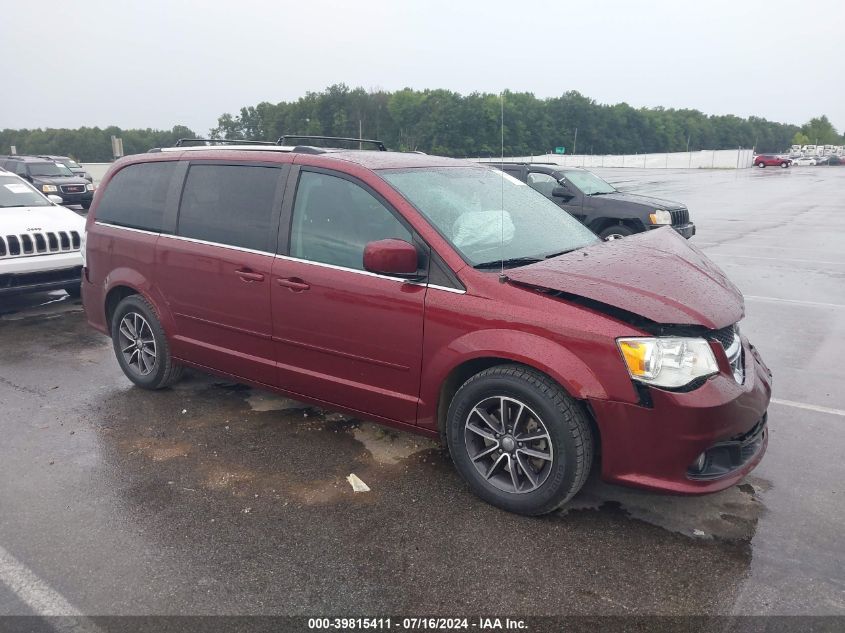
<point x="704" y="159"/>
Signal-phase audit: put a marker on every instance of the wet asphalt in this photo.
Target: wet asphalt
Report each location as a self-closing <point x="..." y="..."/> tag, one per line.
<point x="214" y="498"/>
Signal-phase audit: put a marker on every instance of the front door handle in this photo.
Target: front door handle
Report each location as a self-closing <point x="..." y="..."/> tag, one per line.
<point x="248" y="275"/>
<point x="293" y="283"/>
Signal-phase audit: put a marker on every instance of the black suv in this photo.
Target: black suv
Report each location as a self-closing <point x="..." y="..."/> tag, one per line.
<point x="609" y="213"/>
<point x="50" y="177"/>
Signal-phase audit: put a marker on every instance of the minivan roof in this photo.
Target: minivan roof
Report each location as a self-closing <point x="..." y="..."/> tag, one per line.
<point x="368" y="159"/>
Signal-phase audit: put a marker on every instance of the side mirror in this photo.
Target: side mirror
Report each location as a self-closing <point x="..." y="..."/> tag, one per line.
<point x="391" y="257"/>
<point x="55" y="199"/>
<point x="563" y="193"/>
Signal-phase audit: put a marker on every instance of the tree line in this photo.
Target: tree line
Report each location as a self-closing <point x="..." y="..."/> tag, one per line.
<point x="88" y="144"/>
<point x="448" y="123"/>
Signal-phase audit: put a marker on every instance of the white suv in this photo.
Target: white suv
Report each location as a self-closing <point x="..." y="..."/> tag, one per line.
<point x="40" y="241"/>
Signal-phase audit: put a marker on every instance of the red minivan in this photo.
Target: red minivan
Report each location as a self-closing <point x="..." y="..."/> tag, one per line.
<point x="437" y="296"/>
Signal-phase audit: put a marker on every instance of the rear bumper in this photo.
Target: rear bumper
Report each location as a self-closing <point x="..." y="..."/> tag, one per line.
<point x="654" y="447"/>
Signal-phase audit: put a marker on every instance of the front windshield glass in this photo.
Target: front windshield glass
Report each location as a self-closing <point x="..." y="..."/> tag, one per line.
<point x="465" y="204"/>
<point x="15" y="193"/>
<point x="49" y="169"/>
<point x="72" y="164"/>
<point x="588" y="184"/>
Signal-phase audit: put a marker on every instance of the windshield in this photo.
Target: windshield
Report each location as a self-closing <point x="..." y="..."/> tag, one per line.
<point x="589" y="184"/>
<point x="49" y="169"/>
<point x="14" y="193"/>
<point x="465" y="205"/>
<point x="69" y="162"/>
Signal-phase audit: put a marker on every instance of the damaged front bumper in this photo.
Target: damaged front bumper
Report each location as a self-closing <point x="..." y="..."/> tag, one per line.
<point x="657" y="447"/>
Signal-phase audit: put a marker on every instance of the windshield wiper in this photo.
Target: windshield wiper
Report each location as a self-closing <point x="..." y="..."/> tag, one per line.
<point x="507" y="263"/>
<point x="601" y="193"/>
<point x="568" y="250"/>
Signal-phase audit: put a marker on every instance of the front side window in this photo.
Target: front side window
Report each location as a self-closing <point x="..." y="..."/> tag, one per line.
<point x="230" y="204"/>
<point x="135" y="197"/>
<point x="334" y="219"/>
<point x="543" y="183"/>
<point x="489" y="216"/>
<point x="589" y="184"/>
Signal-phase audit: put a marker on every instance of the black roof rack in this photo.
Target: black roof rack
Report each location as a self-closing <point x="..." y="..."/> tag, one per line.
<point x="223" y="141"/>
<point x="283" y="140"/>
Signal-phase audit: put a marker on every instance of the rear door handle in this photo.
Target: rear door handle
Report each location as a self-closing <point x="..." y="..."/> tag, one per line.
<point x="294" y="283"/>
<point x="248" y="275"/>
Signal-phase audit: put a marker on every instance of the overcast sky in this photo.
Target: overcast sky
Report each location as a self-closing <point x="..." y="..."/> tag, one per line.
<point x="156" y="63"/>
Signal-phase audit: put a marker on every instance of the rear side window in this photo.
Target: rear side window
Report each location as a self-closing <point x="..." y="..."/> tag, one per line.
<point x="230" y="204"/>
<point x="135" y="197"/>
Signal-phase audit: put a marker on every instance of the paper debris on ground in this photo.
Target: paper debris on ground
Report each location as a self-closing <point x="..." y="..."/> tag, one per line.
<point x="357" y="484"/>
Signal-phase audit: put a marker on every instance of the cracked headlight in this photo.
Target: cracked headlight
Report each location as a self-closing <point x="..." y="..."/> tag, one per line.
<point x="670" y="362"/>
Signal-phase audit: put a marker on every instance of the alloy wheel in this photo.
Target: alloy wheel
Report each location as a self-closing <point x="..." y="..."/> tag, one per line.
<point x="508" y="444"/>
<point x="137" y="343"/>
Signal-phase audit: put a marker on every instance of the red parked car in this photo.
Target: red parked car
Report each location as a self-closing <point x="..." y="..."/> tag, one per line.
<point x="769" y="160"/>
<point x="436" y="296"/>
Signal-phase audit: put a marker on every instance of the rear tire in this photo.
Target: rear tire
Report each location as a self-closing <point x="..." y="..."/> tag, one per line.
<point x="533" y="458"/>
<point x="616" y="232"/>
<point x="761" y="165"/>
<point x="141" y="346"/>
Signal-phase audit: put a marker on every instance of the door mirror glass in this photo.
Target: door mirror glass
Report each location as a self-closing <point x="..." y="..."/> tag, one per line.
<point x="562" y="193"/>
<point x="55" y="199"/>
<point x="391" y="257"/>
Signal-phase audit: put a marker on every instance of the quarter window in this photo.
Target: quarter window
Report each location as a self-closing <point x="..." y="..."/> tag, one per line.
<point x="230" y="204"/>
<point x="334" y="219"/>
<point x="135" y="197"/>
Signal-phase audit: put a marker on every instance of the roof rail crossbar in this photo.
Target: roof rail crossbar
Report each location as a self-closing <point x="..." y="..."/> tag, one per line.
<point x="223" y="141"/>
<point x="283" y="140"/>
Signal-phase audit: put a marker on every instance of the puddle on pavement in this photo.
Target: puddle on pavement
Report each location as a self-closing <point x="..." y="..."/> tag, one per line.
<point x="226" y="438"/>
<point x="729" y="515"/>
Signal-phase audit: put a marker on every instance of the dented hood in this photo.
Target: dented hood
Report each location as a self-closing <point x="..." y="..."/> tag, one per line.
<point x="657" y="275"/>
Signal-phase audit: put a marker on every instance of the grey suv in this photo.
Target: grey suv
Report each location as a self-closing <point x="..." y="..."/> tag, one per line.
<point x="609" y="213"/>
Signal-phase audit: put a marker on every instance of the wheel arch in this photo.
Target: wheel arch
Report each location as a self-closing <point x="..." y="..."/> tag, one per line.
<point x="554" y="361"/>
<point x="600" y="224"/>
<point x="123" y="282"/>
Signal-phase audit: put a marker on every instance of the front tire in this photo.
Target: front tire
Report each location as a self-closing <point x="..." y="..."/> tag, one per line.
<point x="519" y="440"/>
<point x="616" y="232"/>
<point x="784" y="164"/>
<point x="141" y="346"/>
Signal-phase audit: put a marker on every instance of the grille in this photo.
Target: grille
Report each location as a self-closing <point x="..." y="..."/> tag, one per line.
<point x="679" y="217"/>
<point x="38" y="243"/>
<point x="728" y="337"/>
<point x="72" y="188"/>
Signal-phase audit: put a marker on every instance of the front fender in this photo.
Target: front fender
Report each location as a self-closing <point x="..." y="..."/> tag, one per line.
<point x="547" y="356"/>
